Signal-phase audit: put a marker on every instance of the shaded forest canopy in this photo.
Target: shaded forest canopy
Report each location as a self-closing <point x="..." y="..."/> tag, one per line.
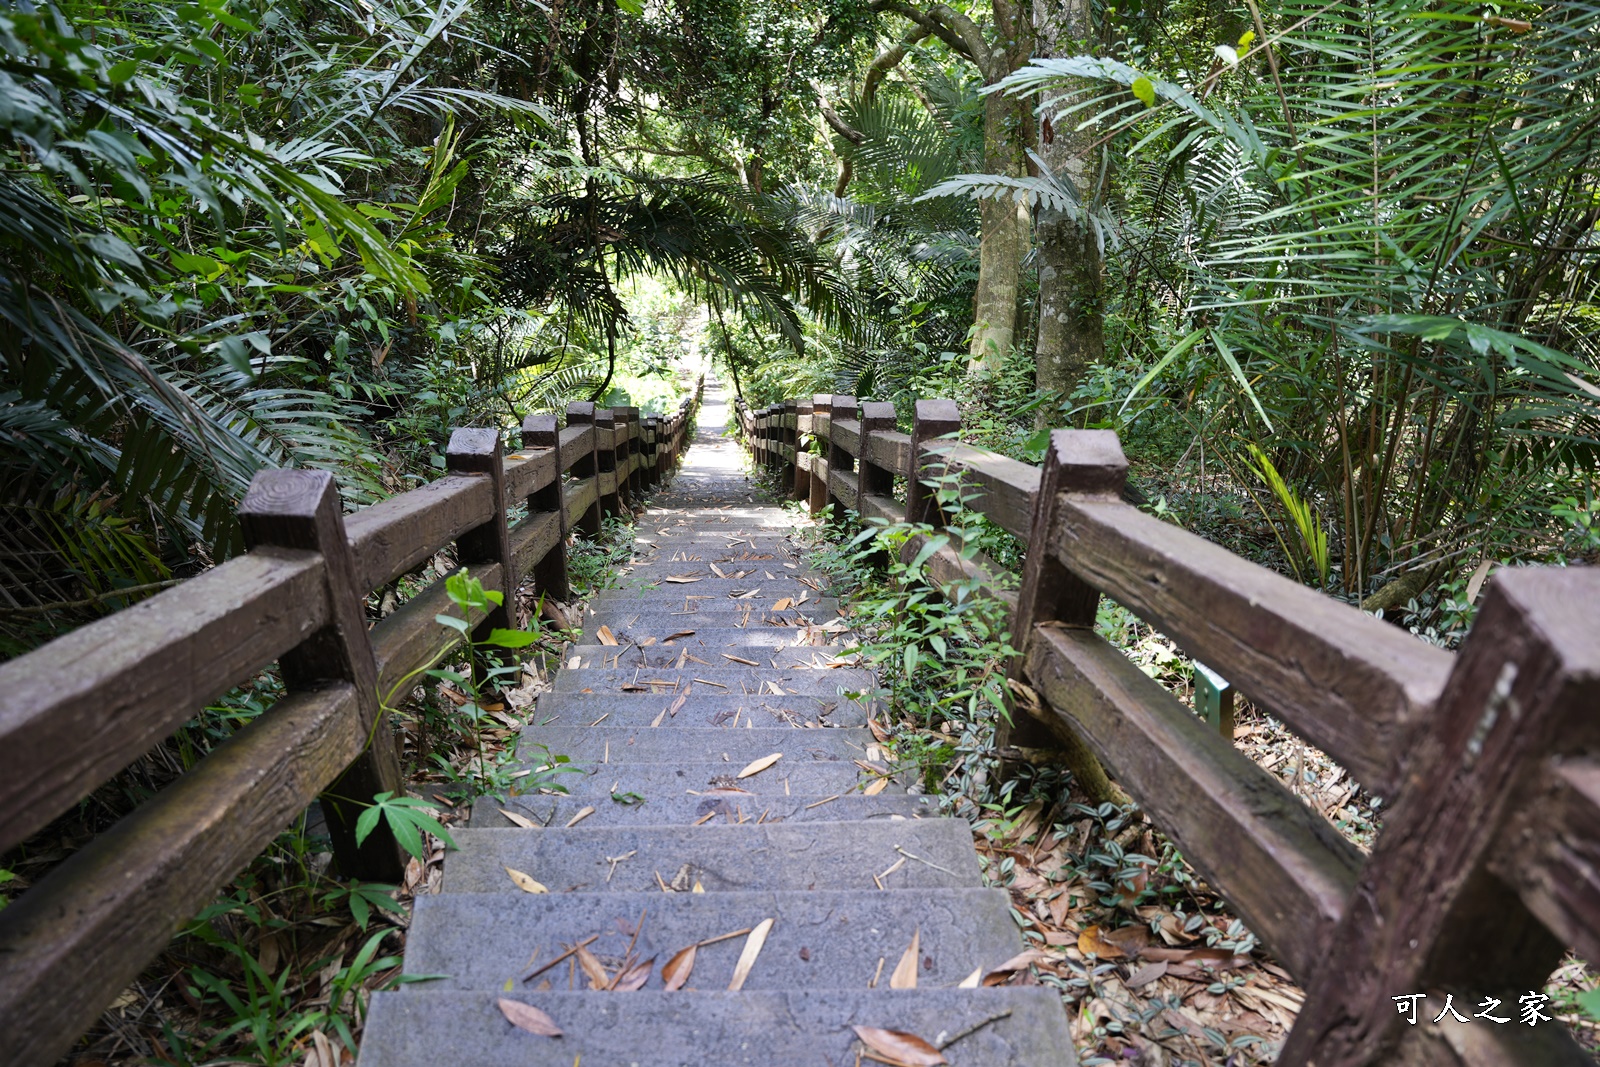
<point x="1329" y="269"/>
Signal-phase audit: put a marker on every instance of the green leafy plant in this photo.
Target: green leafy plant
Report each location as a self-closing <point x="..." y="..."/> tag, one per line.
<point x="1310" y="552"/>
<point x="407" y="818"/>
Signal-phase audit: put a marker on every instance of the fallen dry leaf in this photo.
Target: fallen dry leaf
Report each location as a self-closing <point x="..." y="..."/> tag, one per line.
<point x="682" y="579"/>
<point x="593" y="968"/>
<point x="521" y="820"/>
<point x="635" y="977"/>
<point x="757" y="766"/>
<point x="1015" y="965"/>
<point x="1132" y="940"/>
<point x="899" y="1047"/>
<point x="784" y="604"/>
<point x="583" y="813"/>
<point x="747" y="957"/>
<point x="905" y="972"/>
<point x="1146" y="974"/>
<point x="529" y="1018"/>
<point x="1091" y="942"/>
<point x="971" y="981"/>
<point x="875" y="787"/>
<point x="676" y="972"/>
<point x="605" y="635"/>
<point x="674" y="637"/>
<point x="525" y="882"/>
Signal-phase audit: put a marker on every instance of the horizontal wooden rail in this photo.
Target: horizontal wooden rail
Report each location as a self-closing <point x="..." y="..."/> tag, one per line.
<point x="1347" y="682"/>
<point x="81" y="708"/>
<point x="1488" y="862"/>
<point x="1279" y="864"/>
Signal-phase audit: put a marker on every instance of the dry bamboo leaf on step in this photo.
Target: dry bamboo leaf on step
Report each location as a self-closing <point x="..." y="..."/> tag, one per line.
<point x="900" y="1048"/>
<point x="905" y="972"/>
<point x="757" y="766"/>
<point x="747" y="957"/>
<point x="528" y="1018"/>
<point x="682" y="579"/>
<point x="783" y="604"/>
<point x="876" y="786"/>
<point x="635" y="977"/>
<point x="521" y="820"/>
<point x="678" y="968"/>
<point x="740" y="659"/>
<point x="593" y="969"/>
<point x="526" y="882"/>
<point x="676" y="636"/>
<point x="605" y="635"/>
<point x="583" y="813"/>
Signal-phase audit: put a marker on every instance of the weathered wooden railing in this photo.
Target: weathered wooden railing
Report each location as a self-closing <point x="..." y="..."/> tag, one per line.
<point x="1488" y="863"/>
<point x="76" y="711"/>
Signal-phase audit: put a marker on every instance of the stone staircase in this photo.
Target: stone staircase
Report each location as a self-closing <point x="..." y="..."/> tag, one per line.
<point x="660" y="844"/>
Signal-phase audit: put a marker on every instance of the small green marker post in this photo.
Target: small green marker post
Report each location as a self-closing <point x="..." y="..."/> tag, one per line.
<point x="1213" y="699"/>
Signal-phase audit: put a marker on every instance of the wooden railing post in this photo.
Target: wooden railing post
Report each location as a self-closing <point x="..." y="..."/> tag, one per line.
<point x="550" y="573"/>
<point x="821" y="413"/>
<point x="1083" y="463"/>
<point x="299" y="509"/>
<point x="606" y="449"/>
<point x="787" y="453"/>
<point x="1426" y="915"/>
<point x="650" y="440"/>
<point x="631" y="447"/>
<point x="801" y="486"/>
<point x="931" y="419"/>
<point x="838" y="459"/>
<point x="474" y="451"/>
<point x="876" y="417"/>
<point x="582" y="413"/>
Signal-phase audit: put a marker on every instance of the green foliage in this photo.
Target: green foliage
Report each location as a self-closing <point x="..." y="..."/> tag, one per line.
<point x="1311" y="550"/>
<point x="1368" y="254"/>
<point x="942" y="652"/>
<point x="407" y="818"/>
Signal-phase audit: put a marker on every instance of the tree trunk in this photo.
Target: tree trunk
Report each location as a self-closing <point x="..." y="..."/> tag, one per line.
<point x="1005" y="224"/>
<point x="1071" y="317"/>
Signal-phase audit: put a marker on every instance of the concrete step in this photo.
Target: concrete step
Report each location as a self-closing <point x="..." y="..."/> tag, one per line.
<point x="738" y="579"/>
<point x="696" y="554"/>
<point x="658" y="681"/>
<point x="698" y="744"/>
<point x="719" y="549"/>
<point x="665" y="616"/>
<point x="749" y="593"/>
<point x="719" y="857"/>
<point x="705" y="707"/>
<point x="479" y="940"/>
<point x="690" y="560"/>
<point x="712" y="655"/>
<point x="651" y="780"/>
<point x="685" y="810"/>
<point x="711" y="592"/>
<point x="712" y="631"/>
<point x="415" y="1027"/>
